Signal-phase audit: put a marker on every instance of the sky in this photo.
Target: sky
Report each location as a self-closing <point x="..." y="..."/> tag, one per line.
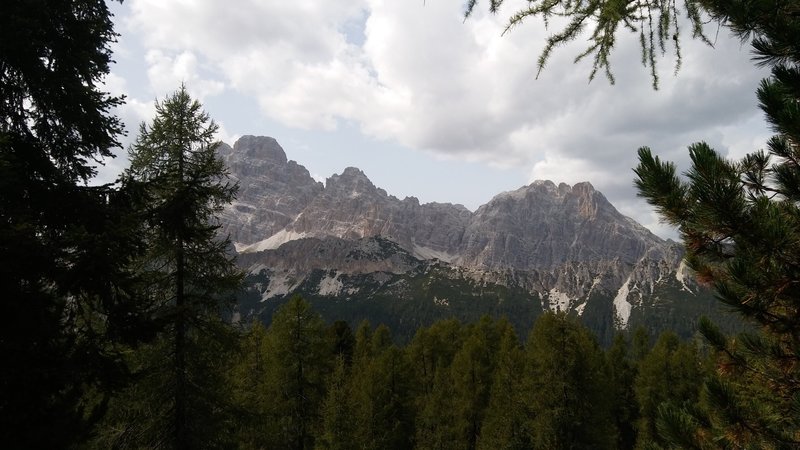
<point x="428" y="104"/>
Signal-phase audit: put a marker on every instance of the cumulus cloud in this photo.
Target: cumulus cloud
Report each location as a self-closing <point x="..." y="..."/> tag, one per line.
<point x="166" y="71"/>
<point x="417" y="74"/>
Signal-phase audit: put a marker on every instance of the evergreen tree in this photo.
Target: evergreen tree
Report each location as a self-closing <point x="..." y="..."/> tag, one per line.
<point x="740" y="223"/>
<point x="362" y="348"/>
<point x="669" y="375"/>
<point x="621" y="376"/>
<point x="657" y="25"/>
<point x="431" y="352"/>
<point x="64" y="246"/>
<point x="338" y="428"/>
<point x="506" y="425"/>
<point x="343" y="340"/>
<point x="432" y="349"/>
<point x="567" y="387"/>
<point x="189" y="273"/>
<point x="738" y="219"/>
<point x="247" y="376"/>
<point x="436" y="425"/>
<point x="471" y="374"/>
<point x="286" y="399"/>
<point x="382" y="392"/>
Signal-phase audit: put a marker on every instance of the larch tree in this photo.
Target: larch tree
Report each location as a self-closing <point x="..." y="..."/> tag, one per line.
<point x="337" y="429"/>
<point x="656" y="24"/>
<point x="567" y="387"/>
<point x="471" y="378"/>
<point x="188" y="267"/>
<point x="506" y="425"/>
<point x="622" y="372"/>
<point x="381" y="387"/>
<point x="669" y="375"/>
<point x="296" y="358"/>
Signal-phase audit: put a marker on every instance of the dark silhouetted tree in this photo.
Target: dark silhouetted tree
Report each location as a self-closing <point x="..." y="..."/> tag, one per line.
<point x="64" y="246"/>
<point x="189" y="273"/>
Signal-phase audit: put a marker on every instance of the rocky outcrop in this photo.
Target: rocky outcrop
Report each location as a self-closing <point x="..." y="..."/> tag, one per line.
<point x="544" y="226"/>
<point x="566" y="244"/>
<point x="272" y="190"/>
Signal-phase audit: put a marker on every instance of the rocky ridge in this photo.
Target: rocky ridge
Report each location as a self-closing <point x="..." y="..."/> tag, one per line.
<point x="566" y="246"/>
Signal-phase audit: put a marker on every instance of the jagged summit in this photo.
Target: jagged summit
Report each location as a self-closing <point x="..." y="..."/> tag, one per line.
<point x="564" y="243"/>
<point x="535" y="226"/>
<point x="353" y="182"/>
<point x="262" y="148"/>
<point x="360" y="253"/>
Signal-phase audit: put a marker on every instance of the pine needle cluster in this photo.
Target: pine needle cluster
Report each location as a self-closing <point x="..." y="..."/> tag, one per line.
<point x="740" y="222"/>
<point x="657" y="23"/>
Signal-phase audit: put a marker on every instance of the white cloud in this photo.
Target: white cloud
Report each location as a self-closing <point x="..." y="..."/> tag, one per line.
<point x="415" y="73"/>
<point x="166" y="72"/>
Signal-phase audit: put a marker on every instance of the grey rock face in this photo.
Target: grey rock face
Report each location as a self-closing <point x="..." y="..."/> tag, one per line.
<point x="272" y="190"/>
<point x="351" y="207"/>
<point x="564" y="243"/>
<point x="545" y="226"/>
<point x="278" y="199"/>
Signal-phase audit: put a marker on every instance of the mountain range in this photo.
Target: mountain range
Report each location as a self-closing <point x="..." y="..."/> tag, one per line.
<point x="359" y="253"/>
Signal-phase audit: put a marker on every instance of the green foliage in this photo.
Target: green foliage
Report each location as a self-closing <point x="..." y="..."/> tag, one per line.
<point x="505" y="425"/>
<point x="382" y="393"/>
<point x="740" y="223"/>
<point x="669" y="374"/>
<point x="741" y="226"/>
<point x="187" y="276"/>
<point x="64" y="246"/>
<point x="286" y="379"/>
<point x="656" y="22"/>
<point x="622" y="371"/>
<point x="566" y="385"/>
<point x="338" y="429"/>
<point x="453" y="386"/>
<point x="471" y="375"/>
<point x="142" y="414"/>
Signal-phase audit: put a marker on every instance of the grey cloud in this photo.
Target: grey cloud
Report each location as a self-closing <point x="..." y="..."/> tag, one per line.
<point x="421" y="77"/>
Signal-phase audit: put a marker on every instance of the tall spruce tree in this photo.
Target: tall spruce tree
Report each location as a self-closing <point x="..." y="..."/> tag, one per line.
<point x="189" y="271"/>
<point x="64" y="246"/>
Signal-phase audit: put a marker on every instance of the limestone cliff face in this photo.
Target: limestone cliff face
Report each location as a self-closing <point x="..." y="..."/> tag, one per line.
<point x="566" y="244"/>
<point x="351" y="207"/>
<point x="545" y="226"/>
<point x="278" y="201"/>
<point x="272" y="190"/>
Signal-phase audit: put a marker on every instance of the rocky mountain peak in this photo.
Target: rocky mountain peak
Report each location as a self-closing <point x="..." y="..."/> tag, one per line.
<point x="564" y="243"/>
<point x="260" y="148"/>
<point x="351" y="183"/>
<point x="272" y="190"/>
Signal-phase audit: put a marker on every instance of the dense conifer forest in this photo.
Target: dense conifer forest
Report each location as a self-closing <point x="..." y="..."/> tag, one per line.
<point x="302" y="383"/>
